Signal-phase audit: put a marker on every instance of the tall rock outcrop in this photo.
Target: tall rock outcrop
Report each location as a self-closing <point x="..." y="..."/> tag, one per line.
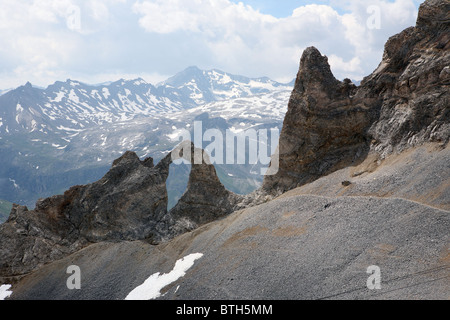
<point x="325" y="127"/>
<point x="205" y="198"/>
<point x="413" y="81"/>
<point x="128" y="203"/>
<point x="405" y="102"/>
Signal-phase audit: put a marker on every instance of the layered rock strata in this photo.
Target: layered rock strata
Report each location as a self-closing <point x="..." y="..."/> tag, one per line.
<point x="128" y="203"/>
<point x="332" y="124"/>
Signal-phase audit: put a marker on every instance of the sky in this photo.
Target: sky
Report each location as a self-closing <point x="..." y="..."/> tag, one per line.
<point x="96" y="41"/>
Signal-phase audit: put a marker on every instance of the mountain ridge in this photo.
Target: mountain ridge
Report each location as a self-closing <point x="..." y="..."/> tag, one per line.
<point x="122" y="99"/>
<point x="71" y="131"/>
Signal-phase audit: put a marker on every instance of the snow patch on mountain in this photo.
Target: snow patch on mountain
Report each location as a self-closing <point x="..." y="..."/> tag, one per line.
<point x="5" y="292"/>
<point x="151" y="288"/>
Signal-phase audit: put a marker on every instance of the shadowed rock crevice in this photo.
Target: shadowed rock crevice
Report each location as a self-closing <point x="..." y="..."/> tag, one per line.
<point x="205" y="199"/>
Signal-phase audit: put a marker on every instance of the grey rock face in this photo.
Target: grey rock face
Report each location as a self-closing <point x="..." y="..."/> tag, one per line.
<point x="403" y="103"/>
<point x="413" y="84"/>
<point x="205" y="199"/>
<point x="298" y="247"/>
<point x="325" y="127"/>
<point x="29" y="239"/>
<point x="128" y="203"/>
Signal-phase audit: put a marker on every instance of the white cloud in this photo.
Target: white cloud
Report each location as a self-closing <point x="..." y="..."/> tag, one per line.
<point x="367" y="40"/>
<point x="239" y="37"/>
<point x="212" y="18"/>
<point x="37" y="42"/>
<point x="120" y="37"/>
<point x="351" y="67"/>
<point x="30" y="45"/>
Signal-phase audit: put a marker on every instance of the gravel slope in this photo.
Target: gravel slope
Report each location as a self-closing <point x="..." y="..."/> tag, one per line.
<point x="299" y="247"/>
<point x="314" y="242"/>
<point x="420" y="174"/>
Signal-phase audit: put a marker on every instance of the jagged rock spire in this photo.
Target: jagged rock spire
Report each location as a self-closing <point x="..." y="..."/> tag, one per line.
<point x="403" y="103"/>
<point x="128" y="203"/>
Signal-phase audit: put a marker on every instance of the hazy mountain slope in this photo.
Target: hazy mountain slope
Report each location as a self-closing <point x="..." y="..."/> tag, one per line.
<point x="70" y="132"/>
<point x="5" y="209"/>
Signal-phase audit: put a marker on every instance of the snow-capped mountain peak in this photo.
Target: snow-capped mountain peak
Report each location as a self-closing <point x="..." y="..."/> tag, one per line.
<point x="74" y="130"/>
<point x="205" y="86"/>
<point x="76" y="105"/>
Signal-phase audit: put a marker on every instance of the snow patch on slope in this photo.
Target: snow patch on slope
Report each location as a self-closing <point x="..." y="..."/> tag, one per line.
<point x="4" y="291"/>
<point x="151" y="288"/>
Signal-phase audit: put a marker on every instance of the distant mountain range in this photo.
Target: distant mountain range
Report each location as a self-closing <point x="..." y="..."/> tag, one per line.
<point x="70" y="132"/>
<point x="74" y="105"/>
